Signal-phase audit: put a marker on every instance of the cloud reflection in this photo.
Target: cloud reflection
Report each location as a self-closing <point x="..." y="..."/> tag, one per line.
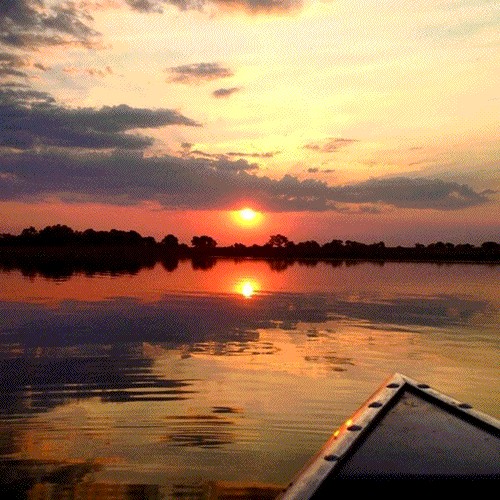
<point x="86" y="350"/>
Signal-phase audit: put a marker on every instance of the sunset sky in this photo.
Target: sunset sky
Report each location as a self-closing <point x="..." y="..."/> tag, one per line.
<point x="334" y="119"/>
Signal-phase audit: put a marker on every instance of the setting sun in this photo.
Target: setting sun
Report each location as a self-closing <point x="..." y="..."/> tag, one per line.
<point x="248" y="214"/>
<point x="247" y="217"/>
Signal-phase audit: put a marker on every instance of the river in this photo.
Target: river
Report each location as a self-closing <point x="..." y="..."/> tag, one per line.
<point x="221" y="382"/>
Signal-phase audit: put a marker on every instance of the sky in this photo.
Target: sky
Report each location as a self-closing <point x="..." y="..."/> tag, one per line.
<point x="332" y="119"/>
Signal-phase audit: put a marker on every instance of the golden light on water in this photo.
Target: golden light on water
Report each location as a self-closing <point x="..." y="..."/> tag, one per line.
<point x="247" y="288"/>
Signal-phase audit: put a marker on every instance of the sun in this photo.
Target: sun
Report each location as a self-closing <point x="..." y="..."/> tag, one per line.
<point x="247" y="217"/>
<point x="248" y="214"/>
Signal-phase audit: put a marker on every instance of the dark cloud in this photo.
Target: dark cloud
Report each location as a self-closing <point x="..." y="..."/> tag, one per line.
<point x="330" y="145"/>
<point x="127" y="177"/>
<point x="32" y="118"/>
<point x="147" y="5"/>
<point x="10" y="64"/>
<point x="31" y="23"/>
<point x="197" y="73"/>
<point x="41" y="67"/>
<point x="14" y="85"/>
<point x="9" y="71"/>
<point x="14" y="64"/>
<point x="221" y="93"/>
<point x="412" y="193"/>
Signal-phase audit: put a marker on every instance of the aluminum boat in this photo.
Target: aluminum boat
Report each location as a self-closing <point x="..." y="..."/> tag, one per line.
<point x="405" y="431"/>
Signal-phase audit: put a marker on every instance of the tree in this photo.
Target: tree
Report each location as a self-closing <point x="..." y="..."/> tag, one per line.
<point x="59" y="234"/>
<point x="278" y="240"/>
<point x="170" y="241"/>
<point x="203" y="242"/>
<point x="490" y="246"/>
<point x="28" y="235"/>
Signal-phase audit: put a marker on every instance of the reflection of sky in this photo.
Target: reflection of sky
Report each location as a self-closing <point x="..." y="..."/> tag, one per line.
<point x="389" y="280"/>
<point x="142" y="378"/>
<point x="193" y="318"/>
<point x="89" y="350"/>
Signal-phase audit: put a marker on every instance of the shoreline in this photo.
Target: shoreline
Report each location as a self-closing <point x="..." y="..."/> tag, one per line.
<point x="64" y="262"/>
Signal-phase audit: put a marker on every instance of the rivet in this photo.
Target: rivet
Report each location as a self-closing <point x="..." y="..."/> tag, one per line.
<point x="354" y="427"/>
<point x="375" y="404"/>
<point x="423" y="386"/>
<point x="465" y="406"/>
<point x="393" y="385"/>
<point x="331" y="458"/>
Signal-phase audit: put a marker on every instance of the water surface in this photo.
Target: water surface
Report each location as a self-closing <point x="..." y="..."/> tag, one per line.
<point x="186" y="382"/>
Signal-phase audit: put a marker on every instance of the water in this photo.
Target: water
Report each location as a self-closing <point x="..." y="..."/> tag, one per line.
<point x="222" y="382"/>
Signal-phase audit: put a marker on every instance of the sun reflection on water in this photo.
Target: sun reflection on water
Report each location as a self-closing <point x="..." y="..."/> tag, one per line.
<point x="247" y="287"/>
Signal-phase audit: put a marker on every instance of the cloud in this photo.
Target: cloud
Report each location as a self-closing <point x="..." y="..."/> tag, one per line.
<point x="127" y="177"/>
<point x="198" y="73"/>
<point x="188" y="150"/>
<point x="268" y="154"/>
<point x="33" y="118"/>
<point x="31" y="24"/>
<point x="412" y="193"/>
<point x="249" y="6"/>
<point x="10" y="64"/>
<point x="330" y="145"/>
<point x="13" y="65"/>
<point x="41" y="67"/>
<point x="221" y="93"/>
<point x="6" y="70"/>
<point x="95" y="72"/>
<point x="147" y="5"/>
<point x="260" y="6"/>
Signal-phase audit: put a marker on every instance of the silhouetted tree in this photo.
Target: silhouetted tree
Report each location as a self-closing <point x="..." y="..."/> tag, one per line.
<point x="56" y="235"/>
<point x="29" y="235"/>
<point x="170" y="241"/>
<point x="277" y="240"/>
<point x="490" y="246"/>
<point x="333" y="248"/>
<point x="203" y="242"/>
<point x="309" y="248"/>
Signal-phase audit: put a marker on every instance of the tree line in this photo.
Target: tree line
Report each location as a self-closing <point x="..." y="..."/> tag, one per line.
<point x="61" y="237"/>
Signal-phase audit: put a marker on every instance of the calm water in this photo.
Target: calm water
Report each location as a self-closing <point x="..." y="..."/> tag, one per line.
<point x="195" y="384"/>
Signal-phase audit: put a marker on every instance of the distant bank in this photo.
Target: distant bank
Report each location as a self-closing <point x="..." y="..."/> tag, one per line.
<point x="61" y="249"/>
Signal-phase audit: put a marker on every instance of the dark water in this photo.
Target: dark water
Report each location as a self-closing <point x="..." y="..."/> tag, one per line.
<point x="222" y="382"/>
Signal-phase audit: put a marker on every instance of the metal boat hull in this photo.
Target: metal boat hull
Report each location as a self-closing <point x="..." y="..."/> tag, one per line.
<point x="405" y="431"/>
